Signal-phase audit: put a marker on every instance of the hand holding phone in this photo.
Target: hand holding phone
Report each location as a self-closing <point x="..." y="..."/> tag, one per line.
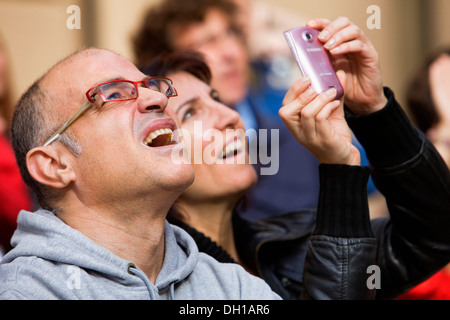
<point x="313" y="59"/>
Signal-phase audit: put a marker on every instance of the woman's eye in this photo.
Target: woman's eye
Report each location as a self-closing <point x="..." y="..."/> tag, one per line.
<point x="188" y="114"/>
<point x="215" y="96"/>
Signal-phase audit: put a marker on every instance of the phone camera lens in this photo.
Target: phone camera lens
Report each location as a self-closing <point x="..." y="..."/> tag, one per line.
<point x="308" y="36"/>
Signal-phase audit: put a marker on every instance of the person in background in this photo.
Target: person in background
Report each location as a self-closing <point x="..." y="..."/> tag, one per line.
<point x="273" y="69"/>
<point x="14" y="195"/>
<point x="428" y="101"/>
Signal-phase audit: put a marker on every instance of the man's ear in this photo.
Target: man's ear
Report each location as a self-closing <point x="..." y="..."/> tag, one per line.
<point x="49" y="167"/>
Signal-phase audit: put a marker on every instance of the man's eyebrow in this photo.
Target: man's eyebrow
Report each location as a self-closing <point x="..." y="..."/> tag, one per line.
<point x="107" y="80"/>
<point x="116" y="78"/>
<point x="121" y="78"/>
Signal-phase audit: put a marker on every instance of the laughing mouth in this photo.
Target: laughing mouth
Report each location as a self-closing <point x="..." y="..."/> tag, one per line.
<point x="159" y="138"/>
<point x="231" y="149"/>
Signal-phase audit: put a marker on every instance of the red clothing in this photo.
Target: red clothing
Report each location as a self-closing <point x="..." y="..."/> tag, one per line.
<point x="14" y="195"/>
<point x="435" y="288"/>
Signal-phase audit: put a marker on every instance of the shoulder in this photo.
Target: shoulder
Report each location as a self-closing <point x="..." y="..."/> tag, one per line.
<point x="31" y="278"/>
<point x="10" y="288"/>
<point x="12" y="276"/>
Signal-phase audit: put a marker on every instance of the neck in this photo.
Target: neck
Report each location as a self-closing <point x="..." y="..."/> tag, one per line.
<point x="135" y="235"/>
<point x="214" y="220"/>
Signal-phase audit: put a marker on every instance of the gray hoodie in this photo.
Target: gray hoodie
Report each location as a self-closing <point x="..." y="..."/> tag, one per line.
<point x="50" y="260"/>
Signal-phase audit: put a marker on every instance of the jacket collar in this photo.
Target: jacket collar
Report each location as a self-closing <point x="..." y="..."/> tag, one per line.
<point x="252" y="235"/>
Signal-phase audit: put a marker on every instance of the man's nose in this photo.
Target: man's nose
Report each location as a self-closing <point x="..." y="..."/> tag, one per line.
<point x="151" y="101"/>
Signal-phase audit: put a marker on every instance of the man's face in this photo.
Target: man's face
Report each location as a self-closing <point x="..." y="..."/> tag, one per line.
<point x="116" y="165"/>
<point x="224" y="51"/>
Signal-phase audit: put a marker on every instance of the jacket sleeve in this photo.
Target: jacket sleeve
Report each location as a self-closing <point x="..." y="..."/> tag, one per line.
<point x="414" y="242"/>
<point x="342" y="247"/>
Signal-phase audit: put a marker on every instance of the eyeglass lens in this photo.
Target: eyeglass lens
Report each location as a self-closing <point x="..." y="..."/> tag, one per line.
<point x="124" y="90"/>
<point x="120" y="90"/>
<point x="161" y="85"/>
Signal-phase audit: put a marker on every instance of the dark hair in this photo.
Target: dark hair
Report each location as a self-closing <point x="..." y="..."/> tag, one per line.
<point x="26" y="130"/>
<point x="418" y="95"/>
<point x="187" y="61"/>
<point x="33" y="121"/>
<point x="153" y="37"/>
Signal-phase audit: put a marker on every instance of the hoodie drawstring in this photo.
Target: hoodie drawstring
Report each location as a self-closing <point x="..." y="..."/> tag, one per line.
<point x="133" y="270"/>
<point x="172" y="291"/>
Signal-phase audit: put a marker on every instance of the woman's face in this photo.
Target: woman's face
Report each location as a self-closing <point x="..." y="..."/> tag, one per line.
<point x="215" y="137"/>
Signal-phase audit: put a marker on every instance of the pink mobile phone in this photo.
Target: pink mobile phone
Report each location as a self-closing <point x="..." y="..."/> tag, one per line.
<point x="313" y="59"/>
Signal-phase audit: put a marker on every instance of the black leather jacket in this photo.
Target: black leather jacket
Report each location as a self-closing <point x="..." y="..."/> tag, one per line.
<point x="326" y="254"/>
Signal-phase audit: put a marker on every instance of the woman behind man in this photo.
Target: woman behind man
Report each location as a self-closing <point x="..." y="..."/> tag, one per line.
<point x="410" y="249"/>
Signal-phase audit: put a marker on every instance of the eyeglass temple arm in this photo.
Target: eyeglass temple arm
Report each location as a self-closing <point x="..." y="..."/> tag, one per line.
<point x="67" y="124"/>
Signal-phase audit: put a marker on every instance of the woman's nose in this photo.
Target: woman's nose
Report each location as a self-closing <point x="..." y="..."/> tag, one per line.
<point x="226" y="117"/>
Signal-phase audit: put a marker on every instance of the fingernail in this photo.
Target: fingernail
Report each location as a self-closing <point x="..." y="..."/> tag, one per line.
<point x="330" y="44"/>
<point x="336" y="103"/>
<point x="306" y="80"/>
<point x="324" y="35"/>
<point x="336" y="50"/>
<point x="331" y="92"/>
<point x="310" y="92"/>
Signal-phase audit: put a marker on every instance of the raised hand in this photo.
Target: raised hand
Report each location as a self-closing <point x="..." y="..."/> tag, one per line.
<point x="318" y="123"/>
<point x="352" y="52"/>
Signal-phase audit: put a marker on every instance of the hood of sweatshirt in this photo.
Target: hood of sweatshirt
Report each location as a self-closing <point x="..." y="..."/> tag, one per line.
<point x="69" y="265"/>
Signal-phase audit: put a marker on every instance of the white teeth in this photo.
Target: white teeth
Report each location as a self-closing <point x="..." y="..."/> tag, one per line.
<point x="231" y="148"/>
<point x="153" y="135"/>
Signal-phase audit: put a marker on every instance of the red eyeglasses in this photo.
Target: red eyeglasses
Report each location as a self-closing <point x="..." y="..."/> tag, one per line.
<point x="122" y="90"/>
<point x="116" y="90"/>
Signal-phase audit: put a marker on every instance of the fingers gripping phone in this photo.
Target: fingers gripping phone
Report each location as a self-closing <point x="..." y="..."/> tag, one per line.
<point x="313" y="59"/>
